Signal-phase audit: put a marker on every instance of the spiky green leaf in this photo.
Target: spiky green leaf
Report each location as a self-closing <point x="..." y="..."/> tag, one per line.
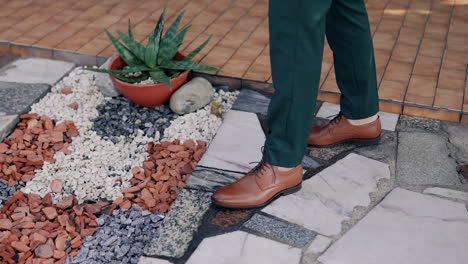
<point x="130" y="31"/>
<point x="170" y="47"/>
<point x="174" y="27"/>
<point x="194" y="52"/>
<point x="152" y="50"/>
<point x="159" y="76"/>
<point x="134" y="46"/>
<point x="130" y="69"/>
<point x="187" y="65"/>
<point x="130" y="58"/>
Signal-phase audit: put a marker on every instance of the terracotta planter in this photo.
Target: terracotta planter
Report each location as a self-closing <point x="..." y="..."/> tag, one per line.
<point x="148" y="95"/>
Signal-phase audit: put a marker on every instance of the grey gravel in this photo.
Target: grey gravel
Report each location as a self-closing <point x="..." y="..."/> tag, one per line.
<point x="120" y="238"/>
<point x="120" y="117"/>
<point x="6" y="192"/>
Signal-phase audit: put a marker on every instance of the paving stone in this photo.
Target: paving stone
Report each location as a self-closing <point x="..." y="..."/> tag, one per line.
<point x="7" y="124"/>
<point x="104" y="81"/>
<point x="280" y="230"/>
<point x="211" y="179"/>
<point x="385" y="151"/>
<point x="327" y="154"/>
<point x="418" y="124"/>
<point x="318" y="245"/>
<point x="6" y="57"/>
<point x="329" y="110"/>
<point x="16" y="98"/>
<point x="237" y="145"/>
<point x="329" y="197"/>
<point x="406" y="228"/>
<point x="309" y="163"/>
<point x="252" y="101"/>
<point x="146" y="260"/>
<point x="458" y="137"/>
<point x="35" y="70"/>
<point x="452" y="194"/>
<point x="173" y="237"/>
<point x="423" y="158"/>
<point x="243" y="248"/>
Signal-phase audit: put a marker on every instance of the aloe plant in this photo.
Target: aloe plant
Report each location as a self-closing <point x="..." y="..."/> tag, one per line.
<point x="156" y="59"/>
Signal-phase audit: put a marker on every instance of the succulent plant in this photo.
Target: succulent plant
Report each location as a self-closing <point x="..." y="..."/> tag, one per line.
<point x="156" y="59"/>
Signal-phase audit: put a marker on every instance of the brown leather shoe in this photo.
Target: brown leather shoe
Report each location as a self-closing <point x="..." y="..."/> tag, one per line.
<point x="339" y="130"/>
<point x="259" y="187"/>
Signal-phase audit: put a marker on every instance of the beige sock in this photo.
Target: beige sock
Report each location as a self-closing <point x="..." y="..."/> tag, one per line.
<point x="283" y="168"/>
<point x="360" y="122"/>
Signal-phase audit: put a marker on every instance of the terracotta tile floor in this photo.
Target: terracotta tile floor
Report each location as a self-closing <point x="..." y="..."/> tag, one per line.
<point x="420" y="48"/>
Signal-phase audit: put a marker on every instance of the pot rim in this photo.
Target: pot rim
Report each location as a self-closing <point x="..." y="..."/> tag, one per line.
<point x="142" y="85"/>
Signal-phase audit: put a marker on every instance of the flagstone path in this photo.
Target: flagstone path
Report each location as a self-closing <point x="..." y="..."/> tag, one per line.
<point x="402" y="201"/>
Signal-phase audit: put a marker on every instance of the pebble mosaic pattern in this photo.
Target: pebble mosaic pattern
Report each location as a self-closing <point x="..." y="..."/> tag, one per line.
<point x="113" y="169"/>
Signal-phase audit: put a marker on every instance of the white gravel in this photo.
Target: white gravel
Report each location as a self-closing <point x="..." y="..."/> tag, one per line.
<point x="97" y="168"/>
<point x="200" y="125"/>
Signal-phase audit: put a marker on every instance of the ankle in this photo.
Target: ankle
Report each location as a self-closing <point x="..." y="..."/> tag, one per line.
<point x="365" y="121"/>
<point x="283" y="169"/>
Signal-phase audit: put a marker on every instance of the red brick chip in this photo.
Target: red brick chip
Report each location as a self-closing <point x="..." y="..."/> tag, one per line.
<point x="34" y="230"/>
<point x="164" y="174"/>
<point x="35" y="140"/>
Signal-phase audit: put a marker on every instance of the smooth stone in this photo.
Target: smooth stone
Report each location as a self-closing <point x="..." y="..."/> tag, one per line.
<point x="35" y="70"/>
<point x="448" y="193"/>
<point x="173" y="237"/>
<point x="318" y="245"/>
<point x="147" y="260"/>
<point x="17" y="98"/>
<point x="423" y="158"/>
<point x="192" y="96"/>
<point x="237" y="145"/>
<point x="329" y="110"/>
<point x="211" y="179"/>
<point x="7" y="124"/>
<point x="243" y="248"/>
<point x="406" y="228"/>
<point x="252" y="101"/>
<point x="329" y="197"/>
<point x="458" y="137"/>
<point x="309" y="163"/>
<point x="104" y="81"/>
<point x="280" y="230"/>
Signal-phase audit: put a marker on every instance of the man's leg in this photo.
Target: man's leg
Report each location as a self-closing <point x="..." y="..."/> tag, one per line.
<point x="297" y="32"/>
<point x="349" y="36"/>
<point x="348" y="33"/>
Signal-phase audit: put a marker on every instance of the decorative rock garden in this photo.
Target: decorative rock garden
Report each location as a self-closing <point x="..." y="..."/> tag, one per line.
<point x="86" y="178"/>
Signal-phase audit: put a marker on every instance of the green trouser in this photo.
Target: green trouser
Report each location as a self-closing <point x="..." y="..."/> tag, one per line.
<point x="297" y="32"/>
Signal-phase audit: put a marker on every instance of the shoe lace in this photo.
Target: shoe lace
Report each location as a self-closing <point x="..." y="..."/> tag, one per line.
<point x="260" y="168"/>
<point x="336" y="119"/>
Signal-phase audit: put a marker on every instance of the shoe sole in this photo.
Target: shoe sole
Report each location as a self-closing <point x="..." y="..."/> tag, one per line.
<point x="356" y="141"/>
<point x="283" y="192"/>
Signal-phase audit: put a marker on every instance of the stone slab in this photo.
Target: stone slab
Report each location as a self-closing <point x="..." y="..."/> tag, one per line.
<point x="16" y="98"/>
<point x="211" y="179"/>
<point x="280" y="230"/>
<point x="175" y="234"/>
<point x="329" y="110"/>
<point x="146" y="260"/>
<point x="423" y="158"/>
<point x="309" y="163"/>
<point x="458" y="136"/>
<point x="318" y="245"/>
<point x="405" y="228"/>
<point x="243" y="248"/>
<point x="448" y="193"/>
<point x="252" y="101"/>
<point x="104" y="81"/>
<point x="329" y="197"/>
<point x="35" y="70"/>
<point x="7" y="124"/>
<point x="237" y="145"/>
